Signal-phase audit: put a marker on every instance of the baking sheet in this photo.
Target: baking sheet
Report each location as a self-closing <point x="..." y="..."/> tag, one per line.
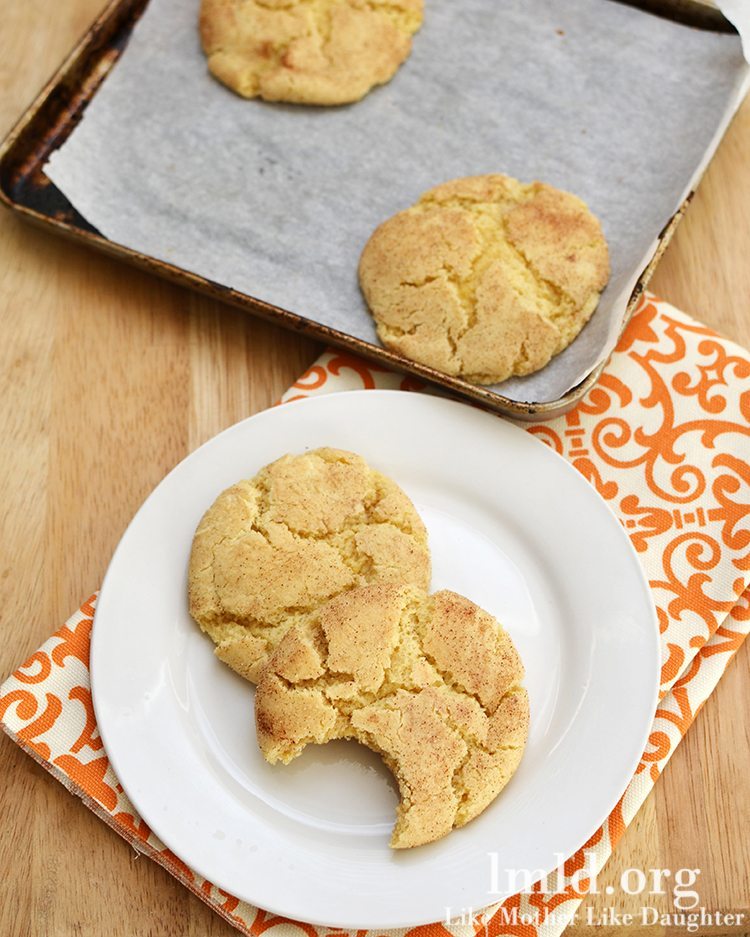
<point x="277" y="201"/>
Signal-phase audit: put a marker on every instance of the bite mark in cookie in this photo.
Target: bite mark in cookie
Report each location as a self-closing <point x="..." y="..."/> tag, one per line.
<point x="432" y="683"/>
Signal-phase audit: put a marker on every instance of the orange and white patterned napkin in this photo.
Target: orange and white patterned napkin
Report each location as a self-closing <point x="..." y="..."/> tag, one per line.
<point x="664" y="437"/>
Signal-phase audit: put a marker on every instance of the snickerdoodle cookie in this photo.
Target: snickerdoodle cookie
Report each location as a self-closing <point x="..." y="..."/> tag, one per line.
<point x="307" y="51"/>
<point x="271" y="549"/>
<point x="485" y="277"/>
<point x="432" y="683"/>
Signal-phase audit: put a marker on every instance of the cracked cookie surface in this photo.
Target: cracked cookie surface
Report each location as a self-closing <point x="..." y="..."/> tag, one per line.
<point x="324" y="52"/>
<point x="272" y="549"/>
<point x="431" y="683"/>
<point x="485" y="277"/>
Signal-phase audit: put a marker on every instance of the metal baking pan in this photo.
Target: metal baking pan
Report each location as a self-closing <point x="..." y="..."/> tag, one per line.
<point x="58" y="107"/>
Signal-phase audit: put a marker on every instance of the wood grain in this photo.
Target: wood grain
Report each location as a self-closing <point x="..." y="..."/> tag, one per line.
<point x="109" y="377"/>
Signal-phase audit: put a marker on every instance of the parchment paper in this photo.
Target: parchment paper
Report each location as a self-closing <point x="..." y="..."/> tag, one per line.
<point x="614" y="104"/>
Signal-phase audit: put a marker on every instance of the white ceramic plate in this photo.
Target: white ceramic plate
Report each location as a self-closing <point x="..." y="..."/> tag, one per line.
<point x="512" y="526"/>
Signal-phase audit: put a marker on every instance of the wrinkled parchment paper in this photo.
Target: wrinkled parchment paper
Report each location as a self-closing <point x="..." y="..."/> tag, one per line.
<point x="612" y="103"/>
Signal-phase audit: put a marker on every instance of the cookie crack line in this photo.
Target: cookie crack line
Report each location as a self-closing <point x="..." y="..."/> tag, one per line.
<point x="530" y="265"/>
<point x="465" y="287"/>
<point x="324" y="537"/>
<point x="323" y="20"/>
<point x="470" y="301"/>
<point x="387" y="689"/>
<point x="562" y="296"/>
<point x="355" y="524"/>
<point x="522" y="356"/>
<point x="492" y="238"/>
<point x="392" y="694"/>
<point x="471" y="740"/>
<point x="273" y="549"/>
<point x="454" y="684"/>
<point x="462" y="795"/>
<point x="449" y="276"/>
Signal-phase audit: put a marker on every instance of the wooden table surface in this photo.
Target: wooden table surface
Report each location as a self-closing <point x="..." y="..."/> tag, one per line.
<point x="109" y="377"/>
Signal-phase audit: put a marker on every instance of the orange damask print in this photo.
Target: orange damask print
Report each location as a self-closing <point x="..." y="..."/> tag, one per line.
<point x="728" y="641"/>
<point x="547" y="435"/>
<point x="427" y="930"/>
<point x="312" y="379"/>
<point x="578" y="860"/>
<point x="672" y="666"/>
<point x="662" y="446"/>
<point x="650" y="521"/>
<point x="89" y="736"/>
<point x="409" y="382"/>
<point x="90" y="777"/>
<point x="43" y="723"/>
<point x="576" y="449"/>
<point x="27" y="703"/>
<point x="502" y="923"/>
<point x="688" y="562"/>
<point x="662" y="618"/>
<point x="639" y="330"/>
<point x="616" y="824"/>
<point x="546" y="904"/>
<point x="170" y="859"/>
<point x="229" y="903"/>
<point x="733" y="514"/>
<point x="135" y="826"/>
<point x="264" y="921"/>
<point x="40" y="659"/>
<point x="609" y="392"/>
<point x="712" y="376"/>
<point x="362" y="370"/>
<point x="685" y="716"/>
<point x="75" y="642"/>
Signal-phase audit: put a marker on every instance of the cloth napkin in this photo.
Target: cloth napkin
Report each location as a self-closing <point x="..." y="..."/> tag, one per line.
<point x="664" y="437"/>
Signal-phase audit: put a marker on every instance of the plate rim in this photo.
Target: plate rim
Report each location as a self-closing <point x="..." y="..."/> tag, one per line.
<point x="344" y="922"/>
